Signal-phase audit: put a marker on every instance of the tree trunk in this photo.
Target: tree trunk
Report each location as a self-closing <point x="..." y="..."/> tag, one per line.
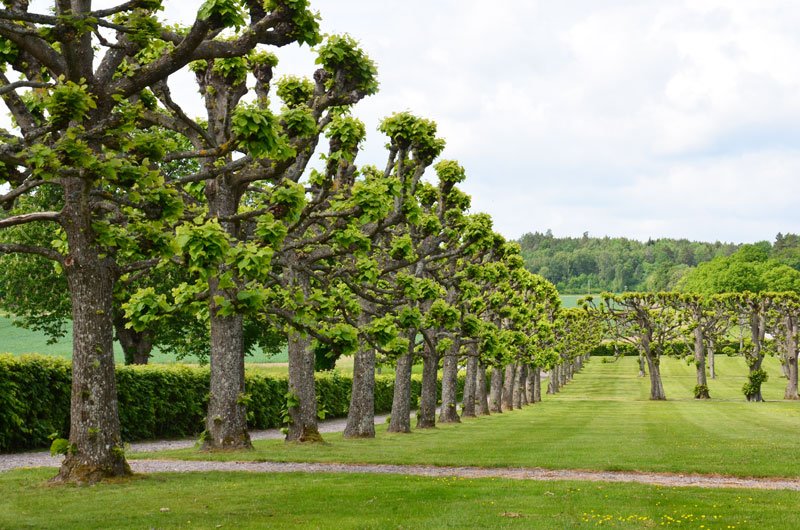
<point x="791" y="359"/>
<point x="426" y="418"/>
<point x="470" y="386"/>
<point x="508" y="387"/>
<point x="95" y="443"/>
<point x="361" y="415"/>
<point x="529" y="385"/>
<point x="401" y="399"/>
<point x="756" y="357"/>
<point x="226" y="420"/>
<point x="537" y="384"/>
<point x="701" y="391"/>
<point x="553" y="379"/>
<point x="653" y="362"/>
<point x="642" y="371"/>
<point x="712" y="369"/>
<point x="449" y="413"/>
<point x="482" y="405"/>
<point x="302" y="390"/>
<point x="136" y="345"/>
<point x="523" y="385"/>
<point x="496" y="393"/>
<point x="519" y="386"/>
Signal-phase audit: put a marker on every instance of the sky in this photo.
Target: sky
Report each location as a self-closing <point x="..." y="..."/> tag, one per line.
<point x="635" y="118"/>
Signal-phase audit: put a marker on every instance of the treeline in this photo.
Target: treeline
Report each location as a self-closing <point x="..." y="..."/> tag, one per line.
<point x="590" y="264"/>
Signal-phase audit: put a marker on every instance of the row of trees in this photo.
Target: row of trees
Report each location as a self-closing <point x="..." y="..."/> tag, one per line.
<point x="654" y="322"/>
<point x="211" y="234"/>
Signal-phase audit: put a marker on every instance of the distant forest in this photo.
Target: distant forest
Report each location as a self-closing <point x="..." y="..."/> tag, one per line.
<point x="578" y="265"/>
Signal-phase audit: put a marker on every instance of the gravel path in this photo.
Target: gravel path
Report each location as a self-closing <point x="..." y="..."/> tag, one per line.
<point x="43" y="459"/>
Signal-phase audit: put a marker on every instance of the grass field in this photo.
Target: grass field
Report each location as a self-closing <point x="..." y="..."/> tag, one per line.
<point x="603" y="421"/>
<point x="243" y="500"/>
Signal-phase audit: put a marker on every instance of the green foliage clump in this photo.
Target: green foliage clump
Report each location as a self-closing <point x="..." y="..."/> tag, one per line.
<point x="754" y="381"/>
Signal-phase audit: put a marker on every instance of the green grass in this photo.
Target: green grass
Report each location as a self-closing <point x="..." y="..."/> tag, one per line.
<point x="603" y="421"/>
<point x="243" y="500"/>
<point x="19" y="341"/>
<point x="570" y="300"/>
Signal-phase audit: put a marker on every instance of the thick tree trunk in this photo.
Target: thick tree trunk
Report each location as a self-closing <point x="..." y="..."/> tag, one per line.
<point x="482" y="402"/>
<point x="508" y="387"/>
<point x="642" y="371"/>
<point x="712" y="368"/>
<point x="496" y="393"/>
<point x="426" y="418"/>
<point x="791" y="360"/>
<point x="95" y="443"/>
<point x="449" y="412"/>
<point x="537" y="384"/>
<point x="756" y="358"/>
<point x="523" y="385"/>
<point x="361" y="415"/>
<point x="518" y="386"/>
<point x="226" y="420"/>
<point x="529" y="385"/>
<point x="401" y="399"/>
<point x="701" y="391"/>
<point x="653" y="362"/>
<point x="553" y="379"/>
<point x="302" y="390"/>
<point x="136" y="345"/>
<point x="470" y="386"/>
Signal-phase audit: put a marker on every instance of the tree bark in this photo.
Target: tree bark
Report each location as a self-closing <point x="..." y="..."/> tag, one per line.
<point x="449" y="412"/>
<point x="95" y="443"/>
<point x="701" y="392"/>
<point x="553" y="379"/>
<point x="482" y="404"/>
<point x="468" y="402"/>
<point x="401" y="399"/>
<point x="302" y="389"/>
<point x="496" y="393"/>
<point x="523" y="385"/>
<point x="529" y="385"/>
<point x="642" y="371"/>
<point x="226" y="421"/>
<point x="518" y="386"/>
<point x="508" y="387"/>
<point x="361" y="414"/>
<point x="791" y="359"/>
<point x="756" y="358"/>
<point x="653" y="362"/>
<point x="537" y="384"/>
<point x="427" y="402"/>
<point x="712" y="368"/>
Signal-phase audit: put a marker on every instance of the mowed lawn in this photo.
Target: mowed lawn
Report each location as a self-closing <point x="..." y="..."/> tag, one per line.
<point x="601" y="421"/>
<point x="338" y="501"/>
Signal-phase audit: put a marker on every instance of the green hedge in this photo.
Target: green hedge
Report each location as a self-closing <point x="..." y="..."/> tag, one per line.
<point x="167" y="401"/>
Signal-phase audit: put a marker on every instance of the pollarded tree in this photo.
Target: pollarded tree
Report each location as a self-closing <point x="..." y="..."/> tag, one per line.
<point x="786" y="311"/>
<point x="708" y="322"/>
<point x="646" y="321"/>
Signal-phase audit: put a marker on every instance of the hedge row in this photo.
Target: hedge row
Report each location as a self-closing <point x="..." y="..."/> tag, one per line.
<point x="167" y="401"/>
<point x="676" y="348"/>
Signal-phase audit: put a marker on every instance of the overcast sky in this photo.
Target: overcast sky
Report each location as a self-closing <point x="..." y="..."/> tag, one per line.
<point x="618" y="117"/>
<point x="637" y="118"/>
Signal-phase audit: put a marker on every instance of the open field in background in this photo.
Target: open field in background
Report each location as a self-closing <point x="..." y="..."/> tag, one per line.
<point x="601" y="421"/>
<point x="19" y="341"/>
<point x="570" y="300"/>
<point x="247" y="500"/>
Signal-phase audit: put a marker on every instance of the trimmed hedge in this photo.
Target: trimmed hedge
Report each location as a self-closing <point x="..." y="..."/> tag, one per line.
<point x="167" y="401"/>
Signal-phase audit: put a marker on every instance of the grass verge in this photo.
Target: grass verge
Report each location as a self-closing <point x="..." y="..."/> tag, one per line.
<point x="244" y="500"/>
<point x="601" y="421"/>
